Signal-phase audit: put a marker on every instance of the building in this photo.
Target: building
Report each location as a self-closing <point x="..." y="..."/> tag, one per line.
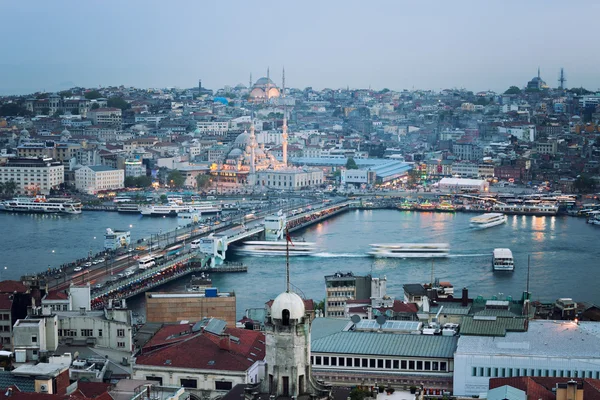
<point x="211" y="128"/>
<point x="189" y="306"/>
<point x="348" y="353"/>
<point x="554" y="349"/>
<point x="546" y="388"/>
<point x="341" y="287"/>
<point x="6" y="310"/>
<point x="290" y="178"/>
<point x="97" y="178"/>
<point x="59" y="151"/>
<point x="206" y="358"/>
<point x="462" y="185"/>
<point x="106" y="116"/>
<point x="134" y="168"/>
<point x="33" y="175"/>
<point x="536" y="83"/>
<point x="34" y="337"/>
<point x="524" y="132"/>
<point x="550" y="147"/>
<point x="358" y="177"/>
<point x="263" y="90"/>
<point x="467" y="151"/>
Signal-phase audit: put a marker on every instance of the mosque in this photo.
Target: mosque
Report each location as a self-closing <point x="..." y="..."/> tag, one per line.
<point x="263" y="90"/>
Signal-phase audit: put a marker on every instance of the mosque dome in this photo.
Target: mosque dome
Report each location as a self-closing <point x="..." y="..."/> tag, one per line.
<point x="24" y="132"/>
<point x="65" y="132"/>
<point x="288" y="301"/>
<point x="197" y="131"/>
<point x="235" y="153"/>
<point x="264" y="81"/>
<point x="242" y="139"/>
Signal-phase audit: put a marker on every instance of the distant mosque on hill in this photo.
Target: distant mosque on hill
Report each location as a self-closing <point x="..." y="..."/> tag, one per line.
<point x="264" y="89"/>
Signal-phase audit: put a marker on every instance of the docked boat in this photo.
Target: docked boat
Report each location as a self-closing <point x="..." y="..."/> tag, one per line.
<point x="410" y="250"/>
<point x="594" y="218"/>
<point x="426" y="206"/>
<point x="205" y="208"/>
<point x="445" y="206"/>
<point x="270" y="248"/>
<point x="406" y="206"/>
<point x="503" y="260"/>
<point x="527" y="209"/>
<point x="128" y="208"/>
<point x="169" y="210"/>
<point x="488" y="220"/>
<point x="42" y="205"/>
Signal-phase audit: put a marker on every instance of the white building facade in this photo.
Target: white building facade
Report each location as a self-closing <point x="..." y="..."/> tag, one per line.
<point x="92" y="179"/>
<point x="33" y="175"/>
<point x="290" y="178"/>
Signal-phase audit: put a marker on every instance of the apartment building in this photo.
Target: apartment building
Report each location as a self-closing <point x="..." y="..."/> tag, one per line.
<point x="290" y="179"/>
<point x="96" y="178"/>
<point x="212" y="128"/>
<point x="341" y="287"/>
<point x="106" y="116"/>
<point x="33" y="175"/>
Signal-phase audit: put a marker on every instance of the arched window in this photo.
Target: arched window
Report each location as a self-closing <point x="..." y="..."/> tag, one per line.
<point x="285" y="317"/>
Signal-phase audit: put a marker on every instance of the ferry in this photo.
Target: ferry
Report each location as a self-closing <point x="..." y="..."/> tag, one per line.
<point x="426" y="206"/>
<point x="187" y="217"/>
<point x="169" y="210"/>
<point x="205" y="208"/>
<point x="406" y="206"/>
<point x="40" y="204"/>
<point x="410" y="250"/>
<point x="527" y="209"/>
<point x="270" y="248"/>
<point x="503" y="260"/>
<point x="128" y="208"/>
<point x="594" y="218"/>
<point x="488" y="220"/>
<point x="445" y="206"/>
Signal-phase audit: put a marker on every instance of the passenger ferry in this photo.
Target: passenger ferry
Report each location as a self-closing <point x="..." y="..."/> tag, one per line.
<point x="527" y="208"/>
<point x="40" y="204"/>
<point x="205" y="208"/>
<point x="594" y="218"/>
<point x="128" y="208"/>
<point x="503" y="260"/>
<point x="446" y="206"/>
<point x="410" y="250"/>
<point x="175" y="199"/>
<point x="488" y="220"/>
<point x="406" y="206"/>
<point x="426" y="206"/>
<point x="270" y="248"/>
<point x="169" y="210"/>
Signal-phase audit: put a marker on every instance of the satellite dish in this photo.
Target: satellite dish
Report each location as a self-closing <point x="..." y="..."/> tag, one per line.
<point x="355" y="319"/>
<point x="380" y="320"/>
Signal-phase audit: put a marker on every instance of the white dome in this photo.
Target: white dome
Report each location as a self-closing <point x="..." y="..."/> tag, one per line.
<point x="235" y="153"/>
<point x="288" y="301"/>
<point x="243" y="138"/>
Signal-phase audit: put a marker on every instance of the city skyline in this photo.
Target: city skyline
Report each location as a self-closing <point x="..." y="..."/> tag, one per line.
<point x="398" y="46"/>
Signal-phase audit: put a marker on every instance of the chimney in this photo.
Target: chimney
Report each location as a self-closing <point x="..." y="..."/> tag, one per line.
<point x="572" y="390"/>
<point x="465" y="297"/>
<point x="225" y="342"/>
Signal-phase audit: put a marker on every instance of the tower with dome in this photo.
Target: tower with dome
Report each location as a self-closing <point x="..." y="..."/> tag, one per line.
<point x="263" y="90"/>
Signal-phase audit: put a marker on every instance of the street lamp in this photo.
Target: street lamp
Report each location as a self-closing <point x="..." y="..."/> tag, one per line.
<point x="4" y="269"/>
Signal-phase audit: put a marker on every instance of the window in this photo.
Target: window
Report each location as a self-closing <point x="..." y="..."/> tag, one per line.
<point x="427" y="365"/>
<point x="411" y="365"/>
<point x="357" y="362"/>
<point x="121" y="344"/>
<point x="120" y="332"/>
<point x="419" y="365"/>
<point x="99" y="332"/>
<point x="325" y="360"/>
<point x="222" y="385"/>
<point x="87" y="332"/>
<point x="348" y="362"/>
<point x="318" y="360"/>
<point x="342" y="361"/>
<point x="402" y="364"/>
<point x="188" y="383"/>
<point x="34" y="339"/>
<point x="396" y="364"/>
<point x="365" y="363"/>
<point x="434" y="366"/>
<point x="372" y="363"/>
<point x="474" y="371"/>
<point x="388" y="364"/>
<point x="333" y="360"/>
<point x="379" y="363"/>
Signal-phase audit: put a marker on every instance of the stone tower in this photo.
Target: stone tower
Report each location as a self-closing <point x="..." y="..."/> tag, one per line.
<point x="284" y="129"/>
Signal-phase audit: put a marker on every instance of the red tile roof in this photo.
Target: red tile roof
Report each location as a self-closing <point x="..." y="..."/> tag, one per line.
<point x="5" y="301"/>
<point x="93" y="389"/>
<point x="56" y="295"/>
<point x="168" y="334"/>
<point x="12" y="287"/>
<point x="203" y="351"/>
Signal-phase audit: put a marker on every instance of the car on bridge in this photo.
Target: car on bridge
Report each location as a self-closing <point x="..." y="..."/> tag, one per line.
<point x="77" y="269"/>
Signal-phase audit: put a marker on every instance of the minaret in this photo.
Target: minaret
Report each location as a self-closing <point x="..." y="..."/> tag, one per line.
<point x="250" y="83"/>
<point x="538" y="72"/>
<point x="252" y="150"/>
<point x="267" y="87"/>
<point x="284" y="128"/>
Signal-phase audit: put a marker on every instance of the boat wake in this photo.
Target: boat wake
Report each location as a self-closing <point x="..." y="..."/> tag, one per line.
<point x="469" y="255"/>
<point x="340" y="255"/>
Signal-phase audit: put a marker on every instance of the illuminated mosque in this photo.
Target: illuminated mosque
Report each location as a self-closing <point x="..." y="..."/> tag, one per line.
<point x="263" y="90"/>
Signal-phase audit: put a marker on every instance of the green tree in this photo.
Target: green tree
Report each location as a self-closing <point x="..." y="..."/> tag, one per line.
<point x="13" y="110"/>
<point x="203" y="181"/>
<point x="513" y="90"/>
<point x="95" y="106"/>
<point x="351" y="164"/>
<point x="1" y="188"/>
<point x="118" y="102"/>
<point x="57" y="114"/>
<point x="143" y="181"/>
<point x="130" y="181"/>
<point x="413" y="177"/>
<point x="175" y="179"/>
<point x="359" y="394"/>
<point x="65" y="93"/>
<point x="45" y="111"/>
<point x="42" y="96"/>
<point x="584" y="184"/>
<point x="93" y="94"/>
<point x="10" y="187"/>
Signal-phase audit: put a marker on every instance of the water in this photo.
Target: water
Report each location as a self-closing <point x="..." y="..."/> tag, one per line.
<point x="563" y="250"/>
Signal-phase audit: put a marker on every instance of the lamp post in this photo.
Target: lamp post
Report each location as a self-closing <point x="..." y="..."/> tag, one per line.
<point x="1" y="271"/>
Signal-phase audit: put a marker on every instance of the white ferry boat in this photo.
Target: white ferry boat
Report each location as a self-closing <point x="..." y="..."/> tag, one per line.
<point x="527" y="209"/>
<point x="40" y="204"/>
<point x="594" y="218"/>
<point x="169" y="210"/>
<point x="270" y="248"/>
<point x="128" y="208"/>
<point x="410" y="250"/>
<point x="488" y="220"/>
<point x="205" y="207"/>
<point x="503" y="260"/>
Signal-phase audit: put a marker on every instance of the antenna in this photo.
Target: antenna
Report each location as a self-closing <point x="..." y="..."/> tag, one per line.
<point x="432" y="269"/>
<point x="562" y="79"/>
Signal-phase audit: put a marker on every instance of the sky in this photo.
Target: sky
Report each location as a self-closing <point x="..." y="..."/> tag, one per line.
<point x="395" y="44"/>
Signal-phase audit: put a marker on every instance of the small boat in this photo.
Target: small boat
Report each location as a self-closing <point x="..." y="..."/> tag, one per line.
<point x="594" y="218"/>
<point x="170" y="210"/>
<point x="406" y="206"/>
<point x="410" y="250"/>
<point x="503" y="260"/>
<point x="271" y="248"/>
<point x="488" y="220"/>
<point x="445" y="206"/>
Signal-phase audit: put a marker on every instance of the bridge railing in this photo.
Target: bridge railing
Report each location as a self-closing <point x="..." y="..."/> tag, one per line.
<point x="141" y="274"/>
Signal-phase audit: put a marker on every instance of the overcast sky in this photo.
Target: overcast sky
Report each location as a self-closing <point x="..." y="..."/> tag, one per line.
<point x="479" y="45"/>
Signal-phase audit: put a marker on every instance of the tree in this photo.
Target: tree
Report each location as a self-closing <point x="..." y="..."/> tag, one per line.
<point x="65" y="93"/>
<point x="130" y="181"/>
<point x="359" y="394"/>
<point x="45" y="111"/>
<point x="513" y="90"/>
<point x="351" y="164"/>
<point x="95" y="106"/>
<point x="57" y="114"/>
<point x="584" y="183"/>
<point x="13" y="110"/>
<point x="118" y="102"/>
<point x="93" y="94"/>
<point x="203" y="181"/>
<point x="413" y="177"/>
<point x="143" y="181"/>
<point x="42" y="96"/>
<point x="175" y="179"/>
<point x="10" y="187"/>
<point x="1" y="188"/>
